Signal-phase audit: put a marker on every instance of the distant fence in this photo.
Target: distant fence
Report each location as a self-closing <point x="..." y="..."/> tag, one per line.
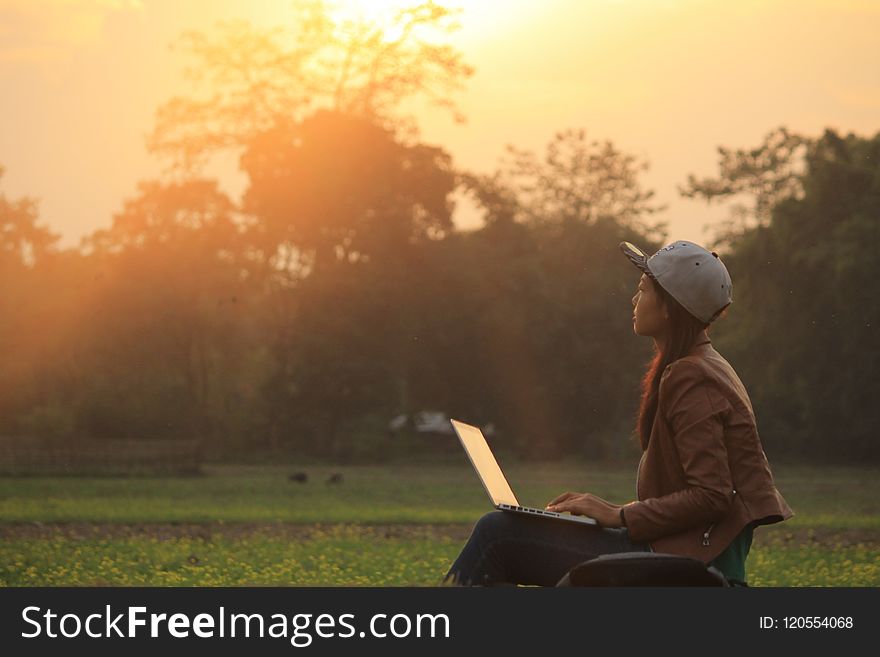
<point x="29" y="456"/>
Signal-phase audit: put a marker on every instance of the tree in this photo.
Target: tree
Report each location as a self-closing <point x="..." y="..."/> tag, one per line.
<point x="28" y="252"/>
<point x="803" y="279"/>
<point x="339" y="187"/>
<point x="553" y="284"/>
<point x="767" y="175"/>
<point x="577" y="180"/>
<point x="356" y="205"/>
<point x="170" y="284"/>
<point x="22" y="242"/>
<point x="260" y="80"/>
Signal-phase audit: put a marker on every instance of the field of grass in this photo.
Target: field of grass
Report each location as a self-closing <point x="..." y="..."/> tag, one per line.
<point x="392" y="525"/>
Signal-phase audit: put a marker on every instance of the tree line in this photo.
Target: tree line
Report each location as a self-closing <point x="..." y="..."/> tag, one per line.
<point x="336" y="293"/>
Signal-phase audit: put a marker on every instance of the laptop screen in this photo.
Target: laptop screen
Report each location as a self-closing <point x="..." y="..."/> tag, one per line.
<point x="485" y="464"/>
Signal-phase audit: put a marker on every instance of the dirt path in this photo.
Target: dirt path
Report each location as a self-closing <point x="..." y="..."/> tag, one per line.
<point x="232" y="530"/>
<point x="294" y="531"/>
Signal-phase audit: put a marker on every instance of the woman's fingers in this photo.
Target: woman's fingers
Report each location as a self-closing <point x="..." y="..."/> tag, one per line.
<point x="561" y="498"/>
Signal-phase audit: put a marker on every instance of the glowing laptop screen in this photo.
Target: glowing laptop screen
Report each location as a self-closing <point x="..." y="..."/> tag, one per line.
<point x="485" y="464"/>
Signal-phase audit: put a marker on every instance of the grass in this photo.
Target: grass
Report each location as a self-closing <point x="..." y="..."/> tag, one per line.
<point x="337" y="554"/>
<point x="400" y="525"/>
<point x="369" y="494"/>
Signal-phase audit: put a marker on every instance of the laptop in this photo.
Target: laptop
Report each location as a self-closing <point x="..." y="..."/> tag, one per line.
<point x="495" y="482"/>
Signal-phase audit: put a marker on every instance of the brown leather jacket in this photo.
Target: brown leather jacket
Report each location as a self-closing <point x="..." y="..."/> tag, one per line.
<point x="704" y="475"/>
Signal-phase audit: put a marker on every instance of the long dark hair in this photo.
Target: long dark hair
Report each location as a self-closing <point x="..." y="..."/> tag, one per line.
<point x="683" y="331"/>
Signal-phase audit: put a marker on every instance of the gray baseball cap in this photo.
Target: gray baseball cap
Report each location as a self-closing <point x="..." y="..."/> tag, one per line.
<point x="695" y="277"/>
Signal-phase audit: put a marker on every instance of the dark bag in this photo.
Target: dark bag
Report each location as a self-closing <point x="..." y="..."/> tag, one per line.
<point x="644" y="569"/>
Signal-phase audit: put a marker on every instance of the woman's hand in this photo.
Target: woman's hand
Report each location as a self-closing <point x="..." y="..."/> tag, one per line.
<point x="587" y="504"/>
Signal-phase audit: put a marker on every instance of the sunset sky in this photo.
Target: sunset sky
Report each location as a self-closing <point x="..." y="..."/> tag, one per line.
<point x="666" y="80"/>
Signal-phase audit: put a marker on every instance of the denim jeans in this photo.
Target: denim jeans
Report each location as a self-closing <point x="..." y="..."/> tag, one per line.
<point x="513" y="548"/>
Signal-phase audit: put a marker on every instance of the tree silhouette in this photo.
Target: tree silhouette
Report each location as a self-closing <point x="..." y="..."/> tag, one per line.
<point x="22" y="242"/>
<point x="170" y="286"/>
<point x="577" y="180"/>
<point x="338" y="187"/>
<point x="803" y="326"/>
<point x="765" y="175"/>
<point x="259" y="80"/>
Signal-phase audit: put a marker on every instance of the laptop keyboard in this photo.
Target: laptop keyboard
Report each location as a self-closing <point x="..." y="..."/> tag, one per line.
<point x="537" y="512"/>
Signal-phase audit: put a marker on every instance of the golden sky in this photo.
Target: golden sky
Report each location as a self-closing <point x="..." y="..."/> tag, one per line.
<point x="666" y="80"/>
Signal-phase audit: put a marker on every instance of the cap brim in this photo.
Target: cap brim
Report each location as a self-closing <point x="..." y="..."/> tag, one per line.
<point x="635" y="255"/>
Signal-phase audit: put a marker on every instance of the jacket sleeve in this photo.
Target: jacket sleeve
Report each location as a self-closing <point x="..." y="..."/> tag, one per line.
<point x="695" y="411"/>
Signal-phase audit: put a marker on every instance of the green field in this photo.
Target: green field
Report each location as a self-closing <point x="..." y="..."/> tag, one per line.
<point x="392" y="525"/>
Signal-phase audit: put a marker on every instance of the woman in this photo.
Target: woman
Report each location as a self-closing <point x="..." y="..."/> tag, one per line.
<point x="703" y="480"/>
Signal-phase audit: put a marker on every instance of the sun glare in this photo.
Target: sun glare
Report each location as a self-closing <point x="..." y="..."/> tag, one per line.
<point x="479" y="19"/>
<point x="375" y="12"/>
<point x="371" y="10"/>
